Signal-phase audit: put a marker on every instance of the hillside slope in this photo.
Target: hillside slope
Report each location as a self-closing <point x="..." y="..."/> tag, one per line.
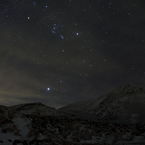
<point x="125" y="104"/>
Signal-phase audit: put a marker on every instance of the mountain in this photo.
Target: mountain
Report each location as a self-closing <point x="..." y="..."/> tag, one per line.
<point x="125" y="104"/>
<point x="36" y="109"/>
<point x="38" y="124"/>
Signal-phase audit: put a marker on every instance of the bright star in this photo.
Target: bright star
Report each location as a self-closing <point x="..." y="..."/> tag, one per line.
<point x="48" y="89"/>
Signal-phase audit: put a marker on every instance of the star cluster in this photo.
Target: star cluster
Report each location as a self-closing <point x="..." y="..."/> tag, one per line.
<point x="58" y="52"/>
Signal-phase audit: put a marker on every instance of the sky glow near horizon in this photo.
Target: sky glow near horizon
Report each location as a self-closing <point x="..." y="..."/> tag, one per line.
<point x="80" y="49"/>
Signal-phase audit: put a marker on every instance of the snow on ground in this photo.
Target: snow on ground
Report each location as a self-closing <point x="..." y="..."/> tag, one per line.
<point x="22" y="125"/>
<point x="7" y="138"/>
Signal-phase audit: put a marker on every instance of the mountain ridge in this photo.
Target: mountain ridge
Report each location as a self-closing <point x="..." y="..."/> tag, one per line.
<point x="120" y="105"/>
<point x="104" y="120"/>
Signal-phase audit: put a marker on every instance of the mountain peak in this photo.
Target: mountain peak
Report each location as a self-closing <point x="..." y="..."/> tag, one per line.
<point x="129" y="89"/>
<point x="122" y="105"/>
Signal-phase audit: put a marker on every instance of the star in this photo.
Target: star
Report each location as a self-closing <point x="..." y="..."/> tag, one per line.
<point x="62" y="37"/>
<point x="48" y="89"/>
<point x="34" y="3"/>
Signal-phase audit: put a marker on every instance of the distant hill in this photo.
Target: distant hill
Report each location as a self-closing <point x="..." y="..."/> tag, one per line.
<point x="36" y="109"/>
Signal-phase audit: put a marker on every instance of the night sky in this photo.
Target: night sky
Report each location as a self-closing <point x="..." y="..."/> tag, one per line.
<point x="60" y="51"/>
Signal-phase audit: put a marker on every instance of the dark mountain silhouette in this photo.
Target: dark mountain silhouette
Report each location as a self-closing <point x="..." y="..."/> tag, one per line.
<point x="115" y="118"/>
<point x="125" y="104"/>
